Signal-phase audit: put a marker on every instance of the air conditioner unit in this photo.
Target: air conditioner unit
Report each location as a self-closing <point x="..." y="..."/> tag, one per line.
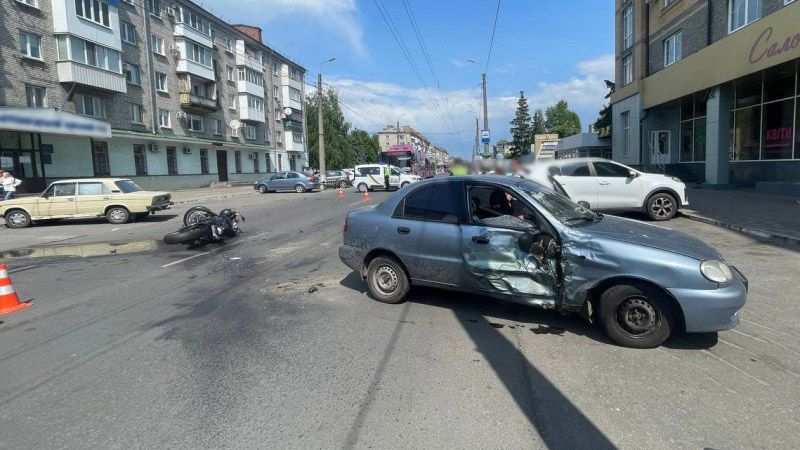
<point x="187" y="151"/>
<point x="252" y="156"/>
<point x="180" y="115"/>
<point x="153" y="148"/>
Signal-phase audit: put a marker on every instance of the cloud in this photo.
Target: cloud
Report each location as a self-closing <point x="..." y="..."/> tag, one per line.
<point x="586" y="90"/>
<point x="340" y="17"/>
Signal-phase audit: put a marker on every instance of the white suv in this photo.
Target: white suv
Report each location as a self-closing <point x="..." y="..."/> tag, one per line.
<point x="370" y="176"/>
<point x="607" y="185"/>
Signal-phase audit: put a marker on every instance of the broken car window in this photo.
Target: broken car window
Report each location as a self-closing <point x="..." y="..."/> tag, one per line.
<point x="562" y="208"/>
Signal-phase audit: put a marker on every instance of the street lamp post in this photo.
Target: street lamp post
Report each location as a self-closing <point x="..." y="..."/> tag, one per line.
<point x="321" y="126"/>
<point x="485" y="108"/>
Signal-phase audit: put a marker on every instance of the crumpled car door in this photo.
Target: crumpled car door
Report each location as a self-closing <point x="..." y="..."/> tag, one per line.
<point x="495" y="263"/>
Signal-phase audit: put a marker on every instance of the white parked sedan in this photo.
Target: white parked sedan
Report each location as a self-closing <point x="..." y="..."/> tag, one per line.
<point x="601" y="184"/>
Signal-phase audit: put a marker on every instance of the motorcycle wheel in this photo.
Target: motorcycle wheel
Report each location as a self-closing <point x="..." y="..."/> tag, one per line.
<point x="183" y="237"/>
<point x="196" y="213"/>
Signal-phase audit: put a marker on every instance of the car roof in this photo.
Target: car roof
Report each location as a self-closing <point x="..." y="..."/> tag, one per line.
<point x="94" y="180"/>
<point x="565" y="161"/>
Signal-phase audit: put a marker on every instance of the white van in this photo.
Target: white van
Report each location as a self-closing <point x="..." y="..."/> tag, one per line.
<point x="370" y="176"/>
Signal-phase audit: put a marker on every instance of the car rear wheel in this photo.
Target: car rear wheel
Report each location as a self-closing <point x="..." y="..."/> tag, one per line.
<point x="17" y="218"/>
<point x="262" y="189"/>
<point x="299" y="188"/>
<point x="405" y="183"/>
<point x="342" y="184"/>
<point x="662" y="207"/>
<point x="118" y="215"/>
<point x="362" y="187"/>
<point x="636" y="316"/>
<point x="387" y="280"/>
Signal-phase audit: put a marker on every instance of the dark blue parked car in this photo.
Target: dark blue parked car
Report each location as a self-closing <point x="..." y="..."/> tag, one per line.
<point x="519" y="241"/>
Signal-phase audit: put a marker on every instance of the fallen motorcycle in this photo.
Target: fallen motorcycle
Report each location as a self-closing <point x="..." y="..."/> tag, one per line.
<point x="202" y="226"/>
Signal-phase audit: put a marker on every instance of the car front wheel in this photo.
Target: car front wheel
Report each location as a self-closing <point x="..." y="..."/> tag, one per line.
<point x="363" y="187"/>
<point x="342" y="184"/>
<point x="262" y="189"/>
<point x="636" y="316"/>
<point x="387" y="280"/>
<point x="17" y="218"/>
<point x="118" y="215"/>
<point x="662" y="207"/>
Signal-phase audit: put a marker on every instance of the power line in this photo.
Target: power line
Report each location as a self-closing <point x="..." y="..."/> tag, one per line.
<point x="491" y="41"/>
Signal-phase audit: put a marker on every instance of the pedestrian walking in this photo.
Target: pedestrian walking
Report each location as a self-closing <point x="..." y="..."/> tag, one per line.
<point x="9" y="184"/>
<point x="386" y="173"/>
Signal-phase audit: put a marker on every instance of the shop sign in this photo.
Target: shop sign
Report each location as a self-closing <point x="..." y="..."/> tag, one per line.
<point x="51" y="121"/>
<point x="766" y="47"/>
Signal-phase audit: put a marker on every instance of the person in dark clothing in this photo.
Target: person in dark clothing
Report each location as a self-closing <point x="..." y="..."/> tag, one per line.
<point x="505" y="204"/>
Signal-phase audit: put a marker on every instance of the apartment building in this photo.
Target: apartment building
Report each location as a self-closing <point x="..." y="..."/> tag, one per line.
<point x="708" y="89"/>
<point x="162" y="92"/>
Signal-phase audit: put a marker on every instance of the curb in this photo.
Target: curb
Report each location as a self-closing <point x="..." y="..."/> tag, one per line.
<point x="219" y="197"/>
<point x="777" y="238"/>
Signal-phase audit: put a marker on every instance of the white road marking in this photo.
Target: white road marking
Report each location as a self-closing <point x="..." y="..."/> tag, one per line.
<point x="362" y="201"/>
<point x="184" y="259"/>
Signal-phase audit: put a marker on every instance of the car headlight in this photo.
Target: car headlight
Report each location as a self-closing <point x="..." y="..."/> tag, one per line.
<point x="677" y="179"/>
<point x="716" y="271"/>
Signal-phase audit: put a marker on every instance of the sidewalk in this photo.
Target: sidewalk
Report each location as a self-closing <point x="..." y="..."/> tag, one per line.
<point x="772" y="217"/>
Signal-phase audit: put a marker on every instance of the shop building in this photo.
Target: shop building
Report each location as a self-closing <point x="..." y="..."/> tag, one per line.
<point x="709" y="90"/>
<point x="162" y="92"/>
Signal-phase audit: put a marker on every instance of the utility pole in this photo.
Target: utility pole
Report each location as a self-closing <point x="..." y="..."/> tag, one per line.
<point x="485" y="113"/>
<point x="477" y="140"/>
<point x="321" y="133"/>
<point x="398" y="131"/>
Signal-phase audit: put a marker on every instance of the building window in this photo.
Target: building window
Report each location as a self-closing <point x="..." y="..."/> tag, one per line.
<point x="217" y="127"/>
<point x="158" y="45"/>
<point x="627" y="70"/>
<point x="232" y="101"/>
<point x="627" y="28"/>
<point x="275" y="69"/>
<point x="137" y="113"/>
<point x="100" y="159"/>
<point x="30" y="45"/>
<point x="172" y="161"/>
<point x="294" y="94"/>
<point x="251" y="76"/>
<point x="35" y="96"/>
<point x="297" y="137"/>
<point x="742" y="12"/>
<point x="673" y="50"/>
<point x="164" y="119"/>
<point x="128" y="32"/>
<point x="194" y="20"/>
<point x="276" y="91"/>
<point x="93" y="10"/>
<point x="254" y="102"/>
<point x="203" y="161"/>
<point x="626" y="133"/>
<point x="195" y="123"/>
<point x="199" y="54"/>
<point x="249" y="132"/>
<point x="88" y="105"/>
<point x="153" y="7"/>
<point x="32" y="3"/>
<point x="161" y="82"/>
<point x="693" y="128"/>
<point x="237" y="161"/>
<point x="228" y="44"/>
<point x="230" y="73"/>
<point x="132" y="74"/>
<point x="267" y="163"/>
<point x="74" y="49"/>
<point x="140" y="159"/>
<point x="295" y="74"/>
<point x="256" y="163"/>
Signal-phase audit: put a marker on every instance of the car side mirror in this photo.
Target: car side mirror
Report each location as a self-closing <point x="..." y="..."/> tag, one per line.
<point x="633" y="174"/>
<point x="45" y="195"/>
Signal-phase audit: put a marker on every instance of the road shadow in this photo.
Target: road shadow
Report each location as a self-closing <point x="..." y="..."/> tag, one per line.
<point x="99" y="220"/>
<point x="354" y="282"/>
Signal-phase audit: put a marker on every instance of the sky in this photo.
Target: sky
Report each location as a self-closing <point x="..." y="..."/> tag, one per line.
<point x="548" y="49"/>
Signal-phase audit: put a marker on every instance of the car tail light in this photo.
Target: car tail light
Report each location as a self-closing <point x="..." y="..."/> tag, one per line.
<point x="312" y="179"/>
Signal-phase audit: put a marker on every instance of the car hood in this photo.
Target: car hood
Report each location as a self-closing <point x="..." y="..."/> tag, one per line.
<point x="639" y="233"/>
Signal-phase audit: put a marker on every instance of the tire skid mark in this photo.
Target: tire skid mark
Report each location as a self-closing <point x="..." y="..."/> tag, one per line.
<point x="766" y="327"/>
<point x="764" y="340"/>
<point x="735" y="367"/>
<point x="762" y="358"/>
<point x="699" y="369"/>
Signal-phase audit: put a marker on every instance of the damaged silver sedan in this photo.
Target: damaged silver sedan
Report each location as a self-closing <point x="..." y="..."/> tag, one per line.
<point x="522" y="242"/>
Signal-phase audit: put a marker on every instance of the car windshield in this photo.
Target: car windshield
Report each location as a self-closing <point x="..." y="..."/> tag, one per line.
<point x="128" y="186"/>
<point x="562" y="208"/>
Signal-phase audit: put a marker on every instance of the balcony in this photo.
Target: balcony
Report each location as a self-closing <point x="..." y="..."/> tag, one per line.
<point x="248" y="61"/>
<point x="184" y="30"/>
<point x="294" y="125"/>
<point x="252" y="115"/>
<point x="197" y="103"/>
<point x="246" y="87"/>
<point x="73" y="72"/>
<point x="292" y="146"/>
<point x="189" y="66"/>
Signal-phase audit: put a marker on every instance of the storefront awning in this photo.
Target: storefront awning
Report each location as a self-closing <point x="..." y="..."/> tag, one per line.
<point x="52" y="121"/>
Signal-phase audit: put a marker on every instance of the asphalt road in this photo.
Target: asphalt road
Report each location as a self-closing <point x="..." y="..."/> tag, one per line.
<point x="224" y="347"/>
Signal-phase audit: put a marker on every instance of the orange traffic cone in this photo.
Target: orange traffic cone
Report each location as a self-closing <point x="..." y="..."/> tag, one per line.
<point x="366" y="195"/>
<point x="9" y="301"/>
<point x="341" y="193"/>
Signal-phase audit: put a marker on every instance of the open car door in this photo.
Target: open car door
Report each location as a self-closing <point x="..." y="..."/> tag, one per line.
<point x="505" y="252"/>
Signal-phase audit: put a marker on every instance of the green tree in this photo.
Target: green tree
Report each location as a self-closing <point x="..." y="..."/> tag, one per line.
<point x="603" y="121"/>
<point x="537" y="124"/>
<point x="521" y="128"/>
<point x="338" y="152"/>
<point x="364" y="147"/>
<point x="561" y="120"/>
